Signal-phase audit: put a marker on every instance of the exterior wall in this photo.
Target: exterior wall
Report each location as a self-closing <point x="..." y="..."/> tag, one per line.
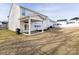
<point x="32" y="14"/>
<point x="14" y="21"/>
<point x="36" y="26"/>
<point x="74" y="24"/>
<point x="78" y="21"/>
<point x="27" y="12"/>
<point x="74" y="21"/>
<point x="51" y="23"/>
<point x="61" y="24"/>
<point x="46" y="23"/>
<point x="33" y="26"/>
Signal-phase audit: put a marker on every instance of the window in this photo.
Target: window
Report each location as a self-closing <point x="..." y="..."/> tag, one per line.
<point x="23" y="13"/>
<point x="70" y="22"/>
<point x="58" y="24"/>
<point x="37" y="26"/>
<point x="25" y="26"/>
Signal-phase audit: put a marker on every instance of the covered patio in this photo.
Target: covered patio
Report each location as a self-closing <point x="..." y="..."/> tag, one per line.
<point x="28" y="27"/>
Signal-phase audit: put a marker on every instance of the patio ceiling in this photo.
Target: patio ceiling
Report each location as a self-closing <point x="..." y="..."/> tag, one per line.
<point x="33" y="18"/>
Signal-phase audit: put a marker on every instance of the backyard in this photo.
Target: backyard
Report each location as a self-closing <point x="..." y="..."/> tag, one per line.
<point x="51" y="42"/>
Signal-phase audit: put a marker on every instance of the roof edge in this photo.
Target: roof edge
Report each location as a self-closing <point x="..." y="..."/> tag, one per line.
<point x="33" y="11"/>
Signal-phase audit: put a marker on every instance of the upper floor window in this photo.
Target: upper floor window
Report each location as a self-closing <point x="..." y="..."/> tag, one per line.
<point x="23" y="12"/>
<point x="37" y="26"/>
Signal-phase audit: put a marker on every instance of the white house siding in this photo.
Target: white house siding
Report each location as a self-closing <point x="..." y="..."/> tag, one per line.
<point x="62" y="24"/>
<point x="46" y="23"/>
<point x="14" y="21"/>
<point x="78" y="21"/>
<point x="11" y="20"/>
<point x="74" y="25"/>
<point x="22" y="10"/>
<point x="50" y="23"/>
<point x="37" y="26"/>
<point x="27" y="12"/>
<point x="33" y="26"/>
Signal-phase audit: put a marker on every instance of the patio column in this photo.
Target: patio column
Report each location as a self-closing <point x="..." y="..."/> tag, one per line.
<point x="29" y="31"/>
<point x="42" y="27"/>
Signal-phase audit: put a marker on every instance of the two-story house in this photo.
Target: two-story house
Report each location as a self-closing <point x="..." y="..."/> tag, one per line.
<point x="27" y="20"/>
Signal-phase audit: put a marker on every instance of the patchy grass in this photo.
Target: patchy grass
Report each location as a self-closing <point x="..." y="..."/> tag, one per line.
<point x="53" y="41"/>
<point x="5" y="34"/>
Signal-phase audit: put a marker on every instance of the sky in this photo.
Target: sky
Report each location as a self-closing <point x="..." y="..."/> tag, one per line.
<point x="54" y="11"/>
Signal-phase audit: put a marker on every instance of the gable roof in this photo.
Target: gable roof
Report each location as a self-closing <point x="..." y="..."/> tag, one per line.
<point x="33" y="11"/>
<point x="75" y="18"/>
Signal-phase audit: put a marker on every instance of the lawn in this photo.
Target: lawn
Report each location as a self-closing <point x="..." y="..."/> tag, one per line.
<point x="53" y="41"/>
<point x="6" y="34"/>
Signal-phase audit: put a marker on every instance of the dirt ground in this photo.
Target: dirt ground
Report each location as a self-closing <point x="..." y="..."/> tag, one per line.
<point x="51" y="42"/>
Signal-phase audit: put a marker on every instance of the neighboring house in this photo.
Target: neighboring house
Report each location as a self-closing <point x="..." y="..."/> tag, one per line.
<point x="74" y="22"/>
<point x="3" y="24"/>
<point x="27" y="20"/>
<point x="61" y="23"/>
<point x="0" y="23"/>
